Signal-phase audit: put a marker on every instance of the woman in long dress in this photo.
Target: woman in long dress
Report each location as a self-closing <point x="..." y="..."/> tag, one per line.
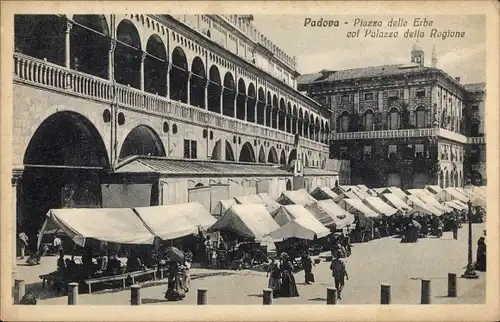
<point x="274" y="278"/>
<point x="481" y="255"/>
<point x="288" y="287"/>
<point x="175" y="291"/>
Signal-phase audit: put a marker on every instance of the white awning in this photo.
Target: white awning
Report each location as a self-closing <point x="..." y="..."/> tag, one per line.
<point x="296" y="197"/>
<point x="329" y="213"/>
<point x="344" y="195"/>
<point x="436" y="204"/>
<point x="222" y="206"/>
<point x="454" y="205"/>
<point x="451" y="194"/>
<point x="419" y="192"/>
<point x="356" y="205"/>
<point x="380" y="206"/>
<point x="114" y="225"/>
<point x="434" y="189"/>
<point x="304" y="225"/>
<point x="418" y="205"/>
<point x="396" y="202"/>
<point x="322" y="193"/>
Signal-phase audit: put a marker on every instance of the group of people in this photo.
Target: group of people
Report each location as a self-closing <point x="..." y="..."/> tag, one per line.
<point x="281" y="279"/>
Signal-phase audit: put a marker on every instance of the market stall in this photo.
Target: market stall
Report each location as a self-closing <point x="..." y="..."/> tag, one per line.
<point x="380" y="206"/>
<point x="323" y="193"/>
<point x="296" y="197"/>
<point x="420" y="207"/>
<point x="396" y="202"/>
<point x="430" y="200"/>
<point x="222" y="206"/>
<point x="330" y="214"/>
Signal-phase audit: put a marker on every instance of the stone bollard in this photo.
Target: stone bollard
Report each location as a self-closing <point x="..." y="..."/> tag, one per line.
<point x="425" y="292"/>
<point x="135" y="294"/>
<point x="73" y="293"/>
<point x="385" y="294"/>
<point x="19" y="290"/>
<point x="267" y="298"/>
<point x="202" y="296"/>
<point x="452" y="285"/>
<point x="331" y="295"/>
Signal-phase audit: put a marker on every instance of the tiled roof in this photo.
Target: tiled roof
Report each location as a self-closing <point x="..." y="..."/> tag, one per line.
<point x="318" y="172"/>
<point x="364" y="72"/>
<point x="475" y="87"/>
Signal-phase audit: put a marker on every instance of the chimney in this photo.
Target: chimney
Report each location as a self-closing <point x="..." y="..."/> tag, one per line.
<point x="457" y="79"/>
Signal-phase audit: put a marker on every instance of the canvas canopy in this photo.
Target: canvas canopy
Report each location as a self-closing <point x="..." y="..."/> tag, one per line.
<point x="379" y="190"/>
<point x="434" y="189"/>
<point x="380" y="206"/>
<point x="222" y="206"/>
<point x="247" y="221"/>
<point x="451" y="194"/>
<point x="115" y="225"/>
<point x="250" y="200"/>
<point x="480" y="190"/>
<point x="344" y="195"/>
<point x="418" y="205"/>
<point x="436" y="204"/>
<point x="271" y="204"/>
<point x="397" y="191"/>
<point x="196" y="213"/>
<point x="323" y="193"/>
<point x="357" y="206"/>
<point x="460" y="203"/>
<point x="360" y="194"/>
<point x="290" y="212"/>
<point x="330" y="214"/>
<point x="297" y="197"/>
<point x="419" y="192"/>
<point x="454" y="205"/>
<point x="302" y="228"/>
<point x="396" y="202"/>
<point x="362" y="187"/>
<point x="372" y="192"/>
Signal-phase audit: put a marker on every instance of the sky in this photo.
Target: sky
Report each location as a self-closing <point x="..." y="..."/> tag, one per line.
<point x="318" y="48"/>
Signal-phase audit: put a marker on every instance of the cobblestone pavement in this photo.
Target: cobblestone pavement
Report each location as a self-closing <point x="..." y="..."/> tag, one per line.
<point x="381" y="261"/>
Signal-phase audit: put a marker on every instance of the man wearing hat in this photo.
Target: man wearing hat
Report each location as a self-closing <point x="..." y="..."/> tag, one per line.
<point x="339" y="272"/>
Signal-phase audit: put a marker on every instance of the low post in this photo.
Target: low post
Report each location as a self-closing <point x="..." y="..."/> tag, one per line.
<point x="135" y="294"/>
<point x="385" y="294"/>
<point x="73" y="293"/>
<point x="202" y="296"/>
<point x="331" y="295"/>
<point x="425" y="292"/>
<point x="267" y="298"/>
<point x="452" y="285"/>
<point x="19" y="290"/>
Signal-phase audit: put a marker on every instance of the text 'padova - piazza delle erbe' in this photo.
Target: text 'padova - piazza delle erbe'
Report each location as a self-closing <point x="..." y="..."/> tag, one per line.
<point x="183" y="159"/>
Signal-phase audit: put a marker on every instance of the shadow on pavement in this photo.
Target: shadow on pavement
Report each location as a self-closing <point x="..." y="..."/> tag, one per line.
<point x="317" y="299"/>
<point x="152" y="301"/>
<point x="255" y="295"/>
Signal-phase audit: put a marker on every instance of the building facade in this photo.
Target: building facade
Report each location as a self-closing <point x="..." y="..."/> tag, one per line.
<point x="403" y="125"/>
<point x="157" y="109"/>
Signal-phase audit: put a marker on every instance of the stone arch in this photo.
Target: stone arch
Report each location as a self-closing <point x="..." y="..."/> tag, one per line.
<point x="282" y="115"/>
<point x="393" y="119"/>
<point x="128" y="55"/>
<point x="300" y="123"/>
<point x="155" y="70"/>
<point x="197" y="83"/>
<point x="262" y="155"/>
<point x="261" y="107"/>
<point x="344" y="121"/>
<point x="89" y="45"/>
<point x="199" y="185"/>
<point x="142" y="140"/>
<point x="228" y="95"/>
<point x="295" y="117"/>
<point x="288" y="118"/>
<point x="283" y="157"/>
<point x="63" y="163"/>
<point x="306" y="124"/>
<point x="247" y="153"/>
<point x="272" y="156"/>
<point x="446" y="179"/>
<point x="179" y="75"/>
<point x="292" y="156"/>
<point x="250" y="105"/>
<point x="274" y="112"/>
<point x="229" y="152"/>
<point x="214" y="90"/>
<point x="420" y="117"/>
<point x="441" y="179"/>
<point x="317" y="129"/>
<point x="288" y="185"/>
<point x="217" y="151"/>
<point x="455" y="179"/>
<point x="241" y="100"/>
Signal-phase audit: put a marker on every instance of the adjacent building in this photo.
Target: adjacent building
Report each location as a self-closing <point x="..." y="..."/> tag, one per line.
<point x="404" y="125"/>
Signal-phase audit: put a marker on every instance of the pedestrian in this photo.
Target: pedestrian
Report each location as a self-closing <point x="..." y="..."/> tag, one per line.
<point x="57" y="243"/>
<point x="339" y="272"/>
<point x="274" y="274"/>
<point x="481" y="255"/>
<point x="23" y="242"/>
<point x="288" y="287"/>
<point x="307" y="264"/>
<point x="454" y="228"/>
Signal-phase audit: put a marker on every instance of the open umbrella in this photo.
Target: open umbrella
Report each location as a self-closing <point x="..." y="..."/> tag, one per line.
<point x="175" y="254"/>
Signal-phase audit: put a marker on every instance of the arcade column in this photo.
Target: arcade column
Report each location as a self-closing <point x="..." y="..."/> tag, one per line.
<point x="16" y="178"/>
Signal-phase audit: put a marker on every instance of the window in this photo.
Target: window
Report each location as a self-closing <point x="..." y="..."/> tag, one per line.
<point x="367" y="152"/>
<point x="420" y="92"/>
<point x="369" y="120"/>
<point x="345" y="98"/>
<point x="392" y="151"/>
<point x="419" y="151"/>
<point x="368" y="97"/>
<point x="420" y="116"/>
<point x="393" y="94"/>
<point x="393" y="119"/>
<point x="344" y="122"/>
<point x="190" y="149"/>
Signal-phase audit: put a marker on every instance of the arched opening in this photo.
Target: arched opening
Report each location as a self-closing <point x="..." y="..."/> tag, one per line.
<point x="179" y="75"/>
<point x="476" y="178"/>
<point x="261" y="107"/>
<point x="316" y="129"/>
<point x="288" y="184"/>
<point x="336" y="183"/>
<point x="311" y="127"/>
<point x="344" y="121"/>
<point x="228" y="95"/>
<point x="214" y="90"/>
<point x="327" y="132"/>
<point x="275" y="110"/>
<point x="41" y="36"/>
<point x="155" y="69"/>
<point x="72" y="143"/>
<point x="294" y="119"/>
<point x="420" y="117"/>
<point x="474" y="127"/>
<point x="247" y="154"/>
<point x="262" y="155"/>
<point x="142" y="140"/>
<point x="394" y="119"/>
<point x="368" y="120"/>
<point x="217" y="151"/>
<point x="300" y="123"/>
<point x="441" y="179"/>
<point x="89" y="45"/>
<point x="288" y="124"/>
<point x="272" y="156"/>
<point x="446" y="180"/>
<point x="199" y="185"/>
<point x="269" y="107"/>
<point x="241" y="100"/>
<point x="251" y="99"/>
<point x="282" y="115"/>
<point x="455" y="179"/>
<point x="292" y="156"/>
<point x="128" y="55"/>
<point x="283" y="157"/>
<point x="322" y="132"/>
<point x="197" y="83"/>
<point x="306" y="124"/>
<point x="229" y="152"/>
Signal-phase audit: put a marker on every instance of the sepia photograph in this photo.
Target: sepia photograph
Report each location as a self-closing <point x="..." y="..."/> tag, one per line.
<point x="249" y="159"/>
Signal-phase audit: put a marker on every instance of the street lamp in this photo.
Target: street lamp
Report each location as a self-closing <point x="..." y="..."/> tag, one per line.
<point x="470" y="272"/>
